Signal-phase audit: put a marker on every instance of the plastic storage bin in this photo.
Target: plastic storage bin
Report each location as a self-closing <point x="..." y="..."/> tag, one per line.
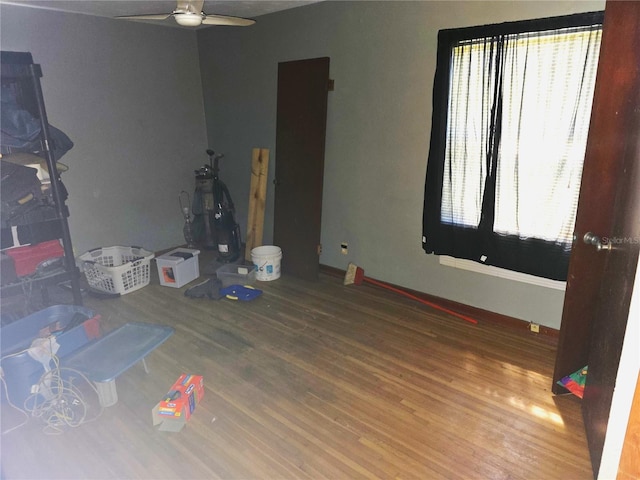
<point x="232" y="274"/>
<point x="178" y="267"/>
<point x="21" y="371"/>
<point x="117" y="269"/>
<point x="27" y="258"/>
<point x="105" y="359"/>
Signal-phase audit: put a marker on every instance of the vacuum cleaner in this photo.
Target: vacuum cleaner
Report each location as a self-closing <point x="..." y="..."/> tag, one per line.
<point x="213" y="211"/>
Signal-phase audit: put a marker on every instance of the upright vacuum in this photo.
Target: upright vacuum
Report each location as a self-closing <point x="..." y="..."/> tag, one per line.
<point x="213" y="210"/>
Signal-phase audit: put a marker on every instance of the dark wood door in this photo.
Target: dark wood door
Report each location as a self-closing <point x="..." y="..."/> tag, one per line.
<point x="300" y="140"/>
<point x="600" y="281"/>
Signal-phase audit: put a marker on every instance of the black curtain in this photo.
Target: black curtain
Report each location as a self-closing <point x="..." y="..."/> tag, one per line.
<point x="480" y="242"/>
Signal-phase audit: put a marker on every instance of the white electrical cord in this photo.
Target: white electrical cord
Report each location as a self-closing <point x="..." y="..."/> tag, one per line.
<point x="6" y="394"/>
<point x="67" y="406"/>
<point x="64" y="407"/>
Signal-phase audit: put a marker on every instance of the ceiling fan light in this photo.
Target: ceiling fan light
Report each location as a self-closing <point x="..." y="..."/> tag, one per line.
<point x="188" y="19"/>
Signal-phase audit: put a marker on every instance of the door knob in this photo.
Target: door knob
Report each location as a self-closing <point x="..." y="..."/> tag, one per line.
<point x="592" y="239"/>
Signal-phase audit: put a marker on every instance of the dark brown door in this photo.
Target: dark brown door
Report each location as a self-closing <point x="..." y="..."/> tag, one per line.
<point x="300" y="139"/>
<point x="600" y="280"/>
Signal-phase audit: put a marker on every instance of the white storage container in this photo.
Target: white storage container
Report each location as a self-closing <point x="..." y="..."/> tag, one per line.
<point x="178" y="267"/>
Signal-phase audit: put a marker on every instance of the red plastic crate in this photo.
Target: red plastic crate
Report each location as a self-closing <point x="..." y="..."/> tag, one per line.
<point x="27" y="258"/>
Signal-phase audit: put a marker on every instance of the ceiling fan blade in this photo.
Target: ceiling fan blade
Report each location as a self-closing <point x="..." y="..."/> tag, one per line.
<point x="225" y="20"/>
<point x="160" y="16"/>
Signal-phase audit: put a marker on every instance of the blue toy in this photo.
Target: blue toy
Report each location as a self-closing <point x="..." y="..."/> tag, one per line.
<point x="244" y="293"/>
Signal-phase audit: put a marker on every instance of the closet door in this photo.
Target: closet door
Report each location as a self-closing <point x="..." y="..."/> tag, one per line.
<point x="300" y="141"/>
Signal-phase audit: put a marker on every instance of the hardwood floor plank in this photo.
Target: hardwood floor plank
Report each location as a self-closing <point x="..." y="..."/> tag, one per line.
<point x="319" y="380"/>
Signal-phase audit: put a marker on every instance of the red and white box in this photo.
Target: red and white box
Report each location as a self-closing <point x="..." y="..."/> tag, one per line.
<point x="175" y="409"/>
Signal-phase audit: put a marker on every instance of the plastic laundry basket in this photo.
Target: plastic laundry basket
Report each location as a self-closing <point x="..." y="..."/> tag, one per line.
<point x="117" y="269"/>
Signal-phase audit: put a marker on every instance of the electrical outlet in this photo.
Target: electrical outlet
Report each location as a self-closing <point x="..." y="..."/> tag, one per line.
<point x="534" y="327"/>
<point x="344" y="248"/>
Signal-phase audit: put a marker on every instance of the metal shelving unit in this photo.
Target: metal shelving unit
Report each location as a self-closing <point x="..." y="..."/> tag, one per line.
<point x="20" y="73"/>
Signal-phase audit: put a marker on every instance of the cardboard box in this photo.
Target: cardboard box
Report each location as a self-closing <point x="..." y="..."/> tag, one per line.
<point x="178" y="267"/>
<point x="173" y="412"/>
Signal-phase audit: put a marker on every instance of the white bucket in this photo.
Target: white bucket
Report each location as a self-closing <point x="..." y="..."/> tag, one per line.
<point x="267" y="261"/>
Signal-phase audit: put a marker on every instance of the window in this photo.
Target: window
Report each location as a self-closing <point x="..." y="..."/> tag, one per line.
<point x="511" y="111"/>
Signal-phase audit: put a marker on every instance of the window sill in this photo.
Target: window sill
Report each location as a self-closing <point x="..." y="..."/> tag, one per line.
<point x="501" y="272"/>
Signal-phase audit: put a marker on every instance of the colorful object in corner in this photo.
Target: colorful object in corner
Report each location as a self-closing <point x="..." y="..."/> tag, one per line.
<point x="575" y="382"/>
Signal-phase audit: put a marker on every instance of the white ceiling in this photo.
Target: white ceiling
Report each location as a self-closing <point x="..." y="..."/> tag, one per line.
<point x="114" y="8"/>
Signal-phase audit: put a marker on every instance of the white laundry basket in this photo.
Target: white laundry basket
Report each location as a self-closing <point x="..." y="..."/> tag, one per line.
<point x="117" y="269"/>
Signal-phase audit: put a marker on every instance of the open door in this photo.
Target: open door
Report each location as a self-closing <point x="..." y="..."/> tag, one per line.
<point x="300" y="140"/>
<point x="607" y="233"/>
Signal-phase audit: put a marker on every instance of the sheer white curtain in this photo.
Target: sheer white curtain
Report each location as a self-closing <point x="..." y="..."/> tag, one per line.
<point x="547" y="96"/>
<point x="471" y="95"/>
<point x="530" y="95"/>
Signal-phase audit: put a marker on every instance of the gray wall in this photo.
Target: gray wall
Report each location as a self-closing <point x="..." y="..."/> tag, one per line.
<point x="382" y="60"/>
<point x="129" y="95"/>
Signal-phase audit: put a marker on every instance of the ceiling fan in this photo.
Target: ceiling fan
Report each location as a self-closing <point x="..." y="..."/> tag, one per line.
<point x="188" y="13"/>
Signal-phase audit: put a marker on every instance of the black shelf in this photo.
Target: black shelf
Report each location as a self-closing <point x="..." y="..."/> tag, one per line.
<point x="19" y="73"/>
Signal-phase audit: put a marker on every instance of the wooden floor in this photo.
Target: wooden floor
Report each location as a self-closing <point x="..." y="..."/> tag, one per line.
<point x="319" y="380"/>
